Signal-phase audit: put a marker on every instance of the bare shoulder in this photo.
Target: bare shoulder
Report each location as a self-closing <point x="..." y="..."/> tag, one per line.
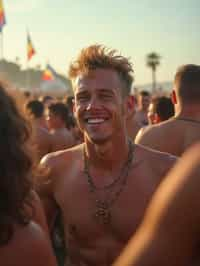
<point x="151" y="134"/>
<point x="29" y="246"/>
<point x="56" y="159"/>
<point x="160" y="162"/>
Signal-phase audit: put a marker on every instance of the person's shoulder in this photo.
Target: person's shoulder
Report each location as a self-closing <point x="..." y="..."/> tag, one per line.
<point x="28" y="246"/>
<point x="157" y="136"/>
<point x="155" y="154"/>
<point x="161" y="162"/>
<point x="54" y="159"/>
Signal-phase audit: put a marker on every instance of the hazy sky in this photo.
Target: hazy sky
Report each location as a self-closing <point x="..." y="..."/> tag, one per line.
<point x="59" y="29"/>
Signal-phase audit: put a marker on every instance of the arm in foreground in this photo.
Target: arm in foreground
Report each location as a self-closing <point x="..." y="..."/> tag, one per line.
<point x="28" y="246"/>
<point x="170" y="231"/>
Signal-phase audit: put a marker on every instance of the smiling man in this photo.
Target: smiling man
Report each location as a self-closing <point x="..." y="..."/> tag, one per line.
<point x="102" y="186"/>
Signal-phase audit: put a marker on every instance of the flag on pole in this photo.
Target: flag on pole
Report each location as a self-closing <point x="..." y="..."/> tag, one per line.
<point x="2" y="16"/>
<point x="49" y="73"/>
<point x="30" y="49"/>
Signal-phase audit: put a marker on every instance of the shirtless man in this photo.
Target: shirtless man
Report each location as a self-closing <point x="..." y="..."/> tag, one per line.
<point x="160" y="109"/>
<point x="102" y="186"/>
<point x="22" y="241"/>
<point x="169" y="234"/>
<point x="143" y="104"/>
<point x="57" y="120"/>
<point x="42" y="140"/>
<point x="177" y="134"/>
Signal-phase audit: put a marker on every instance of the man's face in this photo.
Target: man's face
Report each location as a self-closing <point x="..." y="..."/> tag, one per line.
<point x="53" y="120"/>
<point x="144" y="102"/>
<point x="151" y="114"/>
<point x="99" y="107"/>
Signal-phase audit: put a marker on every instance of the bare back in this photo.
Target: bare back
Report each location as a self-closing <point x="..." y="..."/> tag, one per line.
<point x="62" y="139"/>
<point x="89" y="240"/>
<point x="42" y="141"/>
<point x="173" y="136"/>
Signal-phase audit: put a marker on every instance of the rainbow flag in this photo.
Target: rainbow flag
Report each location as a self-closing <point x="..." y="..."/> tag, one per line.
<point x="49" y="73"/>
<point x="30" y="49"/>
<point x="2" y="16"/>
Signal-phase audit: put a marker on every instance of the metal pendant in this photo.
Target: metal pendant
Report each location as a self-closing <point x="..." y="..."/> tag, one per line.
<point x="102" y="212"/>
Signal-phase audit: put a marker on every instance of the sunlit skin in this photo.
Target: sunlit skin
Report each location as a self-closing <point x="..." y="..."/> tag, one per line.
<point x="100" y="99"/>
<point x="151" y="114"/>
<point x="141" y="114"/>
<point x="173" y="136"/>
<point x="101" y="113"/>
<point x="169" y="234"/>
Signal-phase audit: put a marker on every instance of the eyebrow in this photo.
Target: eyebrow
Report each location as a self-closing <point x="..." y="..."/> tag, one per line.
<point x="108" y="91"/>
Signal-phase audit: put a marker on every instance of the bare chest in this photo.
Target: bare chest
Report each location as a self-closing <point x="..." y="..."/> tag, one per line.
<point x="108" y="213"/>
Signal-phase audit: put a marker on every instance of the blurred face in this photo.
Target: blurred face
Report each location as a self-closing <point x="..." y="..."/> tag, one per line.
<point x="53" y="121"/>
<point x="99" y="107"/>
<point x="151" y="114"/>
<point x="144" y="102"/>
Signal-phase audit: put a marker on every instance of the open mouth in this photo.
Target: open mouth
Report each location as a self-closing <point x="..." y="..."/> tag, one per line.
<point x="95" y="121"/>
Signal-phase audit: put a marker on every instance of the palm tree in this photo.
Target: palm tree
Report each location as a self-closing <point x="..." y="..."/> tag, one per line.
<point x="153" y="61"/>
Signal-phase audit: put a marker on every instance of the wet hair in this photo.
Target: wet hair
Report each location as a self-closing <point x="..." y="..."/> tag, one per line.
<point x="61" y="110"/>
<point x="164" y="107"/>
<point x="36" y="108"/>
<point x="99" y="56"/>
<point x="187" y="83"/>
<point x="15" y="167"/>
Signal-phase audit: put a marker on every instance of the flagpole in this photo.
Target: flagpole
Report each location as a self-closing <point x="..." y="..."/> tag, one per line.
<point x="27" y="74"/>
<point x="2" y="44"/>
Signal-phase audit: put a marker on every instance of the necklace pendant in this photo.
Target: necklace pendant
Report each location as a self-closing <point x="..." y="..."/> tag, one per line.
<point x="102" y="212"/>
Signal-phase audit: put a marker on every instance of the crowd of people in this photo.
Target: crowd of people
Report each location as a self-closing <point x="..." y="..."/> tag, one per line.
<point x="103" y="177"/>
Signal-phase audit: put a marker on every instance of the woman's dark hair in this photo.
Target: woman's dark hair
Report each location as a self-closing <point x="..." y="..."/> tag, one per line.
<point x="15" y="167"/>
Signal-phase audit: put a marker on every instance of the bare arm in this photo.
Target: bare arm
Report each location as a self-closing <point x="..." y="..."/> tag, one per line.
<point x="39" y="251"/>
<point x="29" y="246"/>
<point x="45" y="185"/>
<point x="38" y="212"/>
<point x="170" y="231"/>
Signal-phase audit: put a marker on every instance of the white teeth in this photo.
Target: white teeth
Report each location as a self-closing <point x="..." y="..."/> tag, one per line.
<point x="95" y="120"/>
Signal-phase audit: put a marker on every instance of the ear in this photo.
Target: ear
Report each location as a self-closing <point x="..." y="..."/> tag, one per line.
<point x="130" y="102"/>
<point x="173" y="97"/>
<point x="157" y="119"/>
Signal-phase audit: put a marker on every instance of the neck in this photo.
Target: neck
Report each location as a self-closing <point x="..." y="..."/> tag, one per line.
<point x="189" y="112"/>
<point x="109" y="154"/>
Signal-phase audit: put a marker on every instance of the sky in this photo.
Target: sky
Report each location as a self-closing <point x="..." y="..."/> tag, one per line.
<point x="59" y="29"/>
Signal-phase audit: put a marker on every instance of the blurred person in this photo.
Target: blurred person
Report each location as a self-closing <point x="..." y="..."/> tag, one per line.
<point x="178" y="133"/>
<point x="164" y="109"/>
<point x="143" y="101"/>
<point x="58" y="122"/>
<point x="151" y="114"/>
<point x="102" y="186"/>
<point x="47" y="100"/>
<point x="22" y="241"/>
<point x="169" y="233"/>
<point x="132" y="125"/>
<point x="41" y="137"/>
<point x="160" y="109"/>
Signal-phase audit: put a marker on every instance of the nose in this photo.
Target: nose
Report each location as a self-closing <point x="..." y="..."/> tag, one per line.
<point x="93" y="103"/>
